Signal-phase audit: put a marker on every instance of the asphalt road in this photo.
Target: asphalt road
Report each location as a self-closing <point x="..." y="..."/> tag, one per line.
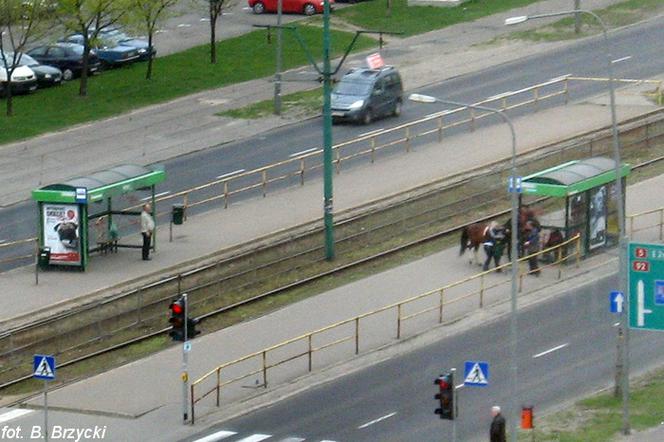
<point x="566" y="349"/>
<point x="585" y="59"/>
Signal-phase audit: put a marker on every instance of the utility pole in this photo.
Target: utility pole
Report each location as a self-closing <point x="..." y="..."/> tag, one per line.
<point x="577" y="17"/>
<point x="328" y="216"/>
<point x="277" y="75"/>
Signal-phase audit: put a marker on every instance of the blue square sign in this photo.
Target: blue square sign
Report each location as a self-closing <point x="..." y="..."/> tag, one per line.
<point x="43" y="367"/>
<point x="659" y="292"/>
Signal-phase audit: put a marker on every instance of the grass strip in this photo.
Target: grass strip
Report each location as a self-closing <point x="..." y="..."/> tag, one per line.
<point x="303" y="103"/>
<point x="240" y="59"/>
<point x="413" y="20"/>
<point x="614" y="16"/>
<point x="599" y="418"/>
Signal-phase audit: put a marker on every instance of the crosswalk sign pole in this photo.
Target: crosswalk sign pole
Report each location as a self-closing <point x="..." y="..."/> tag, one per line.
<point x="454" y="407"/>
<point x="45" y="410"/>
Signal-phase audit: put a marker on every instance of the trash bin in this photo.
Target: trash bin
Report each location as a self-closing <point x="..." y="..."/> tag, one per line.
<point x="44" y="258"/>
<point x="178" y="214"/>
<point x="527" y="417"/>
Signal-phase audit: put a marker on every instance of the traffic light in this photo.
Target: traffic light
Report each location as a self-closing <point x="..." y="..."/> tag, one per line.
<point x="445" y="395"/>
<point x="178" y="319"/>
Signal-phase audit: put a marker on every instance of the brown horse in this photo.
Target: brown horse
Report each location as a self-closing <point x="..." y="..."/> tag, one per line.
<point x="475" y="235"/>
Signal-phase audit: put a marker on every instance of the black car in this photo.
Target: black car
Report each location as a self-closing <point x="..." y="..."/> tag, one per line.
<point x="68" y="57"/>
<point x="46" y="75"/>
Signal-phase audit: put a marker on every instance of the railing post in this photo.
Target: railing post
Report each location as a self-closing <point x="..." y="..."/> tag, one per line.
<point x="503" y="102"/>
<point x="225" y="194"/>
<point x="472" y="119"/>
<point x="264" y="369"/>
<point x="482" y="290"/>
<point x="631" y="226"/>
<point x="310" y="352"/>
<point x="357" y="335"/>
<point x="337" y="154"/>
<point x="440" y="129"/>
<point x="536" y="98"/>
<point x="408" y="139"/>
<point x="559" y="260"/>
<point x="218" y="385"/>
<point x="301" y="171"/>
<point x="578" y="251"/>
<point x="566" y="81"/>
<point x="661" y="223"/>
<point x="185" y="201"/>
<point x="399" y="321"/>
<point x="440" y="307"/>
<point x="264" y="183"/>
<point x="373" y="149"/>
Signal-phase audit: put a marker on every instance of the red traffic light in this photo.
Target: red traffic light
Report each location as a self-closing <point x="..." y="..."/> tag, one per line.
<point x="177" y="308"/>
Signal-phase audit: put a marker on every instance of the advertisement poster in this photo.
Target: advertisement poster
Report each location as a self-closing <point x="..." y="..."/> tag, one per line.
<point x="597" y="218"/>
<point x="62" y="233"/>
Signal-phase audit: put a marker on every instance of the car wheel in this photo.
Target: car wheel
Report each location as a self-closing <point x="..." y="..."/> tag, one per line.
<point x="397" y="108"/>
<point x="367" y="118"/>
<point x="309" y="9"/>
<point x="259" y="8"/>
<point x="67" y="74"/>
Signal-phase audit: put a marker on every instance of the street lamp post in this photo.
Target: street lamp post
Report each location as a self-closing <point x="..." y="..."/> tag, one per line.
<point x="623" y="353"/>
<point x="514" y="251"/>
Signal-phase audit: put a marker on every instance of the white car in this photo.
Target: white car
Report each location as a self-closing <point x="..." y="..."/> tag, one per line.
<point x="24" y="79"/>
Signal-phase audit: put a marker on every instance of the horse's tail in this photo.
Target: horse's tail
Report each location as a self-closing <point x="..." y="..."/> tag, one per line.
<point x="464" y="240"/>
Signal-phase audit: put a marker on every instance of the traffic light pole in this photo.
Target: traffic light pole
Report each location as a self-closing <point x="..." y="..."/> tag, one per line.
<point x="455" y="414"/>
<point x="185" y="375"/>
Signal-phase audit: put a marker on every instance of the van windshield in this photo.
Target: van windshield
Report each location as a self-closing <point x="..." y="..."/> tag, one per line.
<point x="348" y="87"/>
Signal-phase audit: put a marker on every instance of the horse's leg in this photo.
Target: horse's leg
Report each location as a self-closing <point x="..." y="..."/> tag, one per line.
<point x="477" y="255"/>
<point x="487" y="261"/>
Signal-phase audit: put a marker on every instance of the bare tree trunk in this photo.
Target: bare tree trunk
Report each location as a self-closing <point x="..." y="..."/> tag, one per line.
<point x="213" y="37"/>
<point x="83" y="86"/>
<point x="148" y="74"/>
<point x="10" y="97"/>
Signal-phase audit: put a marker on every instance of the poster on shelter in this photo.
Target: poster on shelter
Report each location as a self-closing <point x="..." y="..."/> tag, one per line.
<point x="597" y="218"/>
<point x="62" y="233"/>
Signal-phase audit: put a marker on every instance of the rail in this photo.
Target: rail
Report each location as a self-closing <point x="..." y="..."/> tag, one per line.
<point x="560" y="254"/>
<point x="632" y="220"/>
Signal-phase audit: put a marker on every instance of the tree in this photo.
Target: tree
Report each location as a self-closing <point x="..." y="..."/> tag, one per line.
<point x="215" y="8"/>
<point x="20" y="22"/>
<point x="89" y="18"/>
<point x="150" y="13"/>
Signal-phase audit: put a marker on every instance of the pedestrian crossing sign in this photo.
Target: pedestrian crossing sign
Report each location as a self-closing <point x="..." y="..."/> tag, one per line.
<point x="43" y="367"/>
<point x="476" y="374"/>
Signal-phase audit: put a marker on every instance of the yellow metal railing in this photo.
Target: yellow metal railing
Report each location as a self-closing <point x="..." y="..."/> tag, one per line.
<point x="561" y="256"/>
<point x="654" y="213"/>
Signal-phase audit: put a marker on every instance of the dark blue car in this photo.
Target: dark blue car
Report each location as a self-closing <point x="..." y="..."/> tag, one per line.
<point x="145" y="51"/>
<point x="110" y="52"/>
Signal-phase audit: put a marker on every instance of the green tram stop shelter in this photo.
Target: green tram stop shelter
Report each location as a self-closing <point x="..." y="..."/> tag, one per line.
<point x="587" y="189"/>
<point x="65" y="211"/>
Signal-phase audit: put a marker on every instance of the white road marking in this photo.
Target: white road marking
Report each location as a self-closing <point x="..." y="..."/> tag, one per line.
<point x="2" y="240"/>
<point x="5" y="417"/>
<point x="156" y="195"/>
<point x="302" y="152"/>
<point x="184" y="25"/>
<point x="226" y="175"/>
<point x="205" y="19"/>
<point x="617" y="324"/>
<point x="551" y="350"/>
<point x="371" y="132"/>
<point x="214" y="437"/>
<point x="375" y="421"/>
<point x="293" y="439"/>
<point x="618" y="60"/>
<point x="255" y="438"/>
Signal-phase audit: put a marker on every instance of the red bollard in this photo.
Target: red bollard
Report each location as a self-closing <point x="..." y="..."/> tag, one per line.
<point x="527" y="418"/>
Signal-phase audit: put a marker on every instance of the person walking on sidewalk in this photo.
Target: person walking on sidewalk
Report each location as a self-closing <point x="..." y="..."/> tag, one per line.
<point x="531" y="246"/>
<point x="497" y="430"/>
<point x="147" y="229"/>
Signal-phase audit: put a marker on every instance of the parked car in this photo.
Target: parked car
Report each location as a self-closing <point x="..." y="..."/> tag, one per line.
<point x="306" y="7"/>
<point x="145" y="51"/>
<point x="110" y="52"/>
<point x="68" y="57"/>
<point x="365" y="94"/>
<point x="23" y="79"/>
<point x="46" y="75"/>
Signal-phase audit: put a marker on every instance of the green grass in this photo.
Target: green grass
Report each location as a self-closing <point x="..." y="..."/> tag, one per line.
<point x="620" y="14"/>
<point x="300" y="103"/>
<point x="120" y="90"/>
<point x="599" y="418"/>
<point x="412" y="20"/>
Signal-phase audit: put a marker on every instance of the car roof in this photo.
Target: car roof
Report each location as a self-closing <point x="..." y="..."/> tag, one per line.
<point x="368" y="74"/>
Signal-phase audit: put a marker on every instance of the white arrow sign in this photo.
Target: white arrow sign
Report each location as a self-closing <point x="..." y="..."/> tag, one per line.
<point x="640" y="304"/>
